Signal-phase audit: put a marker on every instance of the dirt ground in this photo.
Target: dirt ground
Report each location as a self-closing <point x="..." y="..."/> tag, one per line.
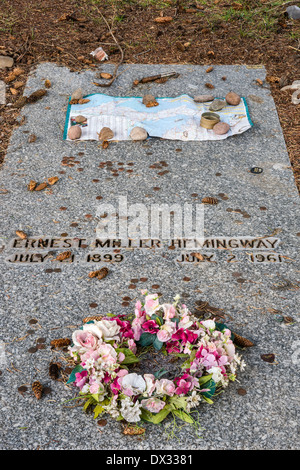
<point x="208" y="33"/>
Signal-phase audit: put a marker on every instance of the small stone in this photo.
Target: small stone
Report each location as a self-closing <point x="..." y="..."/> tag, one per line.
<point x="2" y="92"/>
<point x="217" y="105"/>
<point x="149" y="101"/>
<point x="77" y="94"/>
<point x="203" y="98"/>
<point x="233" y="98"/>
<point x="221" y="128"/>
<point x="79" y="119"/>
<point x="74" y="132"/>
<point x="138" y="133"/>
<point x="105" y="134"/>
<point x="6" y="61"/>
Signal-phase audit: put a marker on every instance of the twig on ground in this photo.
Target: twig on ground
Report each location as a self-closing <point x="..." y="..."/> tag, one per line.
<point x="121" y="51"/>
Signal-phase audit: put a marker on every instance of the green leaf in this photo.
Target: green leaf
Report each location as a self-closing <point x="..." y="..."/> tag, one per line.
<point x="178" y="402"/>
<point x="158" y="417"/>
<point x="72" y="377"/>
<point x="157" y="344"/>
<point x="130" y="357"/>
<point x="212" y="386"/>
<point x="95" y="396"/>
<point x="183" y="416"/>
<point x="208" y="400"/>
<point x="159" y="320"/>
<point x="160" y="373"/>
<point x="146" y="339"/>
<point x="146" y="415"/>
<point x="87" y="403"/>
<point x="98" y="410"/>
<point x="204" y="379"/>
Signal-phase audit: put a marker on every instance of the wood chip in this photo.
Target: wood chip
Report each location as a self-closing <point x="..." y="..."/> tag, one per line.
<point x="163" y="19"/>
<point x="21" y="234"/>
<point x="106" y="76"/>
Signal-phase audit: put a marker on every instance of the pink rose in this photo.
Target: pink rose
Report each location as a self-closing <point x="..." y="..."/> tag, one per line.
<point x="169" y="311"/>
<point x="151" y="303"/>
<point x="85" y="339"/>
<point x="164" y="335"/>
<point x="150" y="383"/>
<point x="153" y="404"/>
<point x="132" y="345"/>
<point x="165" y="387"/>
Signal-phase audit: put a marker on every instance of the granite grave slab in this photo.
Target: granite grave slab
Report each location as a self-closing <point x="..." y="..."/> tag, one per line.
<point x="247" y="256"/>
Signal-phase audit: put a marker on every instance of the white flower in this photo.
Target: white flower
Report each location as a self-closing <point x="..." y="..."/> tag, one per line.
<point x="151" y="303"/>
<point x="216" y="374"/>
<point x="112" y="409"/>
<point x="130" y="411"/>
<point x="92" y="328"/>
<point x="109" y="329"/>
<point x="133" y="384"/>
<point x="210" y="324"/>
<point x="192" y="401"/>
<point x="150" y="384"/>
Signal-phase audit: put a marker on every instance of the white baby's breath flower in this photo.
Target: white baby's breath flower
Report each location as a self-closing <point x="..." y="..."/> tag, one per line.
<point x="130" y="411"/>
<point x="112" y="409"/>
<point x="192" y="401"/>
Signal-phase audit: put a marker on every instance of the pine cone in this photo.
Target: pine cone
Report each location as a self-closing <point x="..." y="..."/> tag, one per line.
<point x="37" y="389"/>
<point x="210" y="200"/>
<point x="36" y="95"/>
<point x="60" y="343"/>
<point x="54" y="369"/>
<point x="92" y="318"/>
<point x="242" y="342"/>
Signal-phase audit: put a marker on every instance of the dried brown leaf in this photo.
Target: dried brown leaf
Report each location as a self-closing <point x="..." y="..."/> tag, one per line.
<point x="53" y="180"/>
<point x="63" y="256"/>
<point x="32" y="185"/>
<point x="41" y="186"/>
<point x="31" y="138"/>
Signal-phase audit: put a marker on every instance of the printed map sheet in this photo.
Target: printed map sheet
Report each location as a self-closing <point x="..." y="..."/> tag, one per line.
<point x="174" y="118"/>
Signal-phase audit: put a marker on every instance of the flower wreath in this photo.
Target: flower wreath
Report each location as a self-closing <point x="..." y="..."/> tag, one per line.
<point x="104" y="350"/>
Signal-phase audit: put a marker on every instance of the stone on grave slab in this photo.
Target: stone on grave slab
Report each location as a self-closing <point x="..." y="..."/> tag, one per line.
<point x="6" y="62"/>
<point x="2" y="92"/>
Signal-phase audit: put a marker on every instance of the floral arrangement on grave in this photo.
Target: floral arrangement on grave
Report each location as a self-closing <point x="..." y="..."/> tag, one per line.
<point x="105" y="350"/>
